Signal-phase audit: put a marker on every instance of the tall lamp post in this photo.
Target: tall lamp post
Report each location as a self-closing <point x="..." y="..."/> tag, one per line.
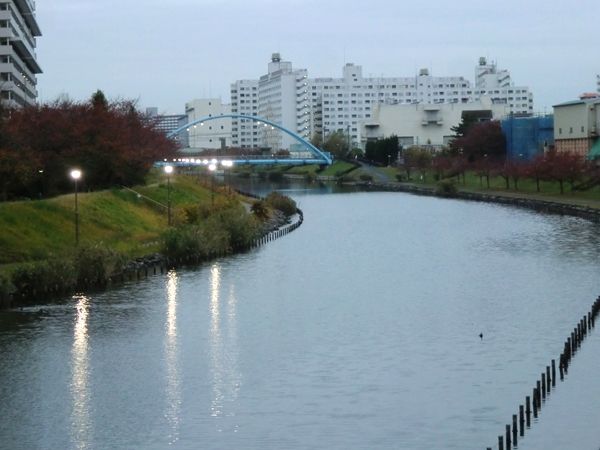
<point x="212" y="167"/>
<point x="168" y="170"/>
<point x="76" y="174"/>
<point x="228" y="163"/>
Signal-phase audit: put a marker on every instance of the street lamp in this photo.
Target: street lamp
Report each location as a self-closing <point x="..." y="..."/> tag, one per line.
<point x="228" y="163"/>
<point x="212" y="167"/>
<point x="76" y="174"/>
<point x="389" y="156"/>
<point x="168" y="170"/>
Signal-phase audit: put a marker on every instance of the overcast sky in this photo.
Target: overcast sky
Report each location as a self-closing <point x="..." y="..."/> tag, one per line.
<point x="166" y="53"/>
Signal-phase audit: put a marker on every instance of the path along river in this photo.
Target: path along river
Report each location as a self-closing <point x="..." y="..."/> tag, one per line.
<point x="360" y="330"/>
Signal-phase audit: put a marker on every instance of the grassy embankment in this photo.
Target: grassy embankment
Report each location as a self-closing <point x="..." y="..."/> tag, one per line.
<point x="45" y="229"/>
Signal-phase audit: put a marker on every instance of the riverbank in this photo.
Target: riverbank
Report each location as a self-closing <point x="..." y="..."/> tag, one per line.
<point x="41" y="260"/>
<point x="565" y="206"/>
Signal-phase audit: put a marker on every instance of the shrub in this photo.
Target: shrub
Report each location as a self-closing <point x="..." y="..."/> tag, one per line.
<point x="240" y="227"/>
<point x="366" y="177"/>
<point x="40" y="274"/>
<point x="347" y="178"/>
<point x="446" y="188"/>
<point x="282" y="203"/>
<point x="198" y="240"/>
<point x="97" y="262"/>
<point x="260" y="210"/>
<point x="244" y="174"/>
<point x="263" y="175"/>
<point x="6" y="287"/>
<point x="399" y="177"/>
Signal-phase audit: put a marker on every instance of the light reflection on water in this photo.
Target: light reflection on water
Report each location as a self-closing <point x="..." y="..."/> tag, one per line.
<point x="82" y="426"/>
<point x="173" y="377"/>
<point x="225" y="376"/>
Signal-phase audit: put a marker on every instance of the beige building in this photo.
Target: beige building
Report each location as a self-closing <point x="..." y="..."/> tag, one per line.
<point x="424" y="124"/>
<point x="576" y="125"/>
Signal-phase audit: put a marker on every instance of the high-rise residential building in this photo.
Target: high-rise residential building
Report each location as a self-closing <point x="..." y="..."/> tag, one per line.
<point x="18" y="60"/>
<point x="214" y="133"/>
<point x="245" y="133"/>
<point x="169" y="123"/>
<point x="598" y="84"/>
<point x="309" y="106"/>
<point x="281" y="96"/>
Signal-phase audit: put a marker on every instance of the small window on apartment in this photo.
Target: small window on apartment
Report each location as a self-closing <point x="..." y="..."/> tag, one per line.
<point x="570" y="129"/>
<point x="582" y="129"/>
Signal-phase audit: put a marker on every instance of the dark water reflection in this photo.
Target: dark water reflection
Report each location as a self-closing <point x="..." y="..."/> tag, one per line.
<point x="359" y="330"/>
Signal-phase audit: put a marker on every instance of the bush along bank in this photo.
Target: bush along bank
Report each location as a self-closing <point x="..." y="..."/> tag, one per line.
<point x="544" y="206"/>
<point x="201" y="233"/>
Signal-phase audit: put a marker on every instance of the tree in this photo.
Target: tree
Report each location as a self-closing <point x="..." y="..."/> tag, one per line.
<point x="483" y="138"/>
<point x="424" y="159"/>
<point x="336" y="143"/>
<point x="383" y="151"/>
<point x="565" y="167"/>
<point x="111" y="143"/>
<point x="537" y="169"/>
<point x="463" y="128"/>
<point x="483" y="168"/>
<point x="410" y="160"/>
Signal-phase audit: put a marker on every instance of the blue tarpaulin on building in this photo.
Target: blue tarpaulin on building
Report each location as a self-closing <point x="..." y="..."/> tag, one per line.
<point x="526" y="137"/>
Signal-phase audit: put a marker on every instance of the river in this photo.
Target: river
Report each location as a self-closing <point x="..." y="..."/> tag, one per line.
<point x="359" y="330"/>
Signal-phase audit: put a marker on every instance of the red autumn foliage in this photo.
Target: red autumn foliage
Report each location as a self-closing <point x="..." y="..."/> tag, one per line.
<point x="113" y="144"/>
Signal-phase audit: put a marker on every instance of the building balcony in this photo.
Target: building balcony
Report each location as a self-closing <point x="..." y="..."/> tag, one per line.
<point x="432" y="120"/>
<point x="27" y="10"/>
<point x="26" y="53"/>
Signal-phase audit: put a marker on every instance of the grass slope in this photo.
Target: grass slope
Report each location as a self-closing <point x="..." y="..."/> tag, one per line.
<point x="39" y="229"/>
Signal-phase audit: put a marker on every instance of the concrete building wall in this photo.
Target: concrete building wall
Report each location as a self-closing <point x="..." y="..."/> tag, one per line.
<point x="421" y="124"/>
<point x="18" y="60"/>
<point x="208" y="135"/>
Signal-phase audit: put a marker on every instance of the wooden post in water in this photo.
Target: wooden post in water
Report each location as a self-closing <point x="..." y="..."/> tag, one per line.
<point x="548" y="378"/>
<point x="553" y="372"/>
<point x="522" y="420"/>
<point x="543" y="385"/>
<point x="514" y="430"/>
<point x="508" y="444"/>
<point x="500" y="443"/>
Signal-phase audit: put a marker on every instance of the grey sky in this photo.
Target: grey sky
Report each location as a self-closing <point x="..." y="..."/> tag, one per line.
<point x="169" y="52"/>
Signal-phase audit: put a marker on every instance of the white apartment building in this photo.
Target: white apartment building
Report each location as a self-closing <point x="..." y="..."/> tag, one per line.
<point x="598" y="84"/>
<point x="323" y="105"/>
<point x="212" y="134"/>
<point x="347" y="101"/>
<point x="18" y="60"/>
<point x="245" y="133"/>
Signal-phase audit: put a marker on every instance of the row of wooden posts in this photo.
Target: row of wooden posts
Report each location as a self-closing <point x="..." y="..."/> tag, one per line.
<point x="533" y="403"/>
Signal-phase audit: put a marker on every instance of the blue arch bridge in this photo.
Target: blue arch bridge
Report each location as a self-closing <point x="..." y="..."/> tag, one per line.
<point x="319" y="157"/>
